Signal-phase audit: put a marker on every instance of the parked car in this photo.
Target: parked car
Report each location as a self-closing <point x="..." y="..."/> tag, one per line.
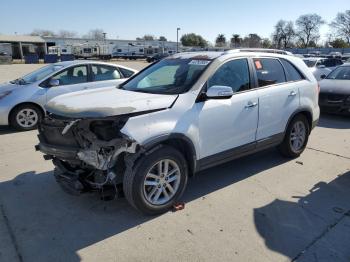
<point x="183" y="114"/>
<point x="321" y="66"/>
<point x="335" y="91"/>
<point x="22" y="100"/>
<point x="156" y="57"/>
<point x="334" y="55"/>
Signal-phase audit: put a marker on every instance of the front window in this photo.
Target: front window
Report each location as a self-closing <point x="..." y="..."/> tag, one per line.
<point x="169" y="76"/>
<point x="72" y="76"/>
<point x="341" y="73"/>
<point x="234" y="74"/>
<point x="38" y="75"/>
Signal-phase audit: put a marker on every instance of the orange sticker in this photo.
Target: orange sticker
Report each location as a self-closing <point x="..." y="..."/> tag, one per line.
<point x="258" y="64"/>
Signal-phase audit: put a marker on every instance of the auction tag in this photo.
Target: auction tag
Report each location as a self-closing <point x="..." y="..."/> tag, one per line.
<point x="199" y="62"/>
<point x="258" y="64"/>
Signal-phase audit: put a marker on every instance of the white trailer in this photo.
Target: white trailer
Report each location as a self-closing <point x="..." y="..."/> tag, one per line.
<point x="60" y="50"/>
<point x="93" y="51"/>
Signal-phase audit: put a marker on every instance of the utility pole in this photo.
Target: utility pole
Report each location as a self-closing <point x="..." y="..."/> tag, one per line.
<point x="177" y="39"/>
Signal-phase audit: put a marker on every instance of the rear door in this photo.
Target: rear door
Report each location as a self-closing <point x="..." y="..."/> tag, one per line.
<point x="278" y="91"/>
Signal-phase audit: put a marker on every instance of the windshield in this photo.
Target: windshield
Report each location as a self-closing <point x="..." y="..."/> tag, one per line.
<point x="310" y="63"/>
<point x="340" y="73"/>
<point x="169" y="76"/>
<point x="37" y="75"/>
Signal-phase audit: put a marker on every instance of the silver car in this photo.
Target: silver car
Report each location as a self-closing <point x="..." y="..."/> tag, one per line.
<point x="22" y="100"/>
<point x="321" y="67"/>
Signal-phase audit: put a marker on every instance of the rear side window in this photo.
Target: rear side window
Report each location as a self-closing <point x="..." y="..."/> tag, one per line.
<point x="269" y="71"/>
<point x="291" y="72"/>
<point x="104" y="73"/>
<point x="125" y="72"/>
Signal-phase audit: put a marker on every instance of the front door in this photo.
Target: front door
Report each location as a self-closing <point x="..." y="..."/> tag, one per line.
<point x="225" y="124"/>
<point x="70" y="80"/>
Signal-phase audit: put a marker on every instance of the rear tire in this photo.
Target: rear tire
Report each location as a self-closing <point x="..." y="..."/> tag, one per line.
<point x="157" y="181"/>
<point x="25" y="117"/>
<point x="296" y="137"/>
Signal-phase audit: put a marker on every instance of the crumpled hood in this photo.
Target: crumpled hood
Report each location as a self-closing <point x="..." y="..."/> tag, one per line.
<point x="335" y="86"/>
<point x="105" y="102"/>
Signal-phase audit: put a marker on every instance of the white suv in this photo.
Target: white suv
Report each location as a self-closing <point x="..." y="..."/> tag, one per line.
<point x="183" y="114"/>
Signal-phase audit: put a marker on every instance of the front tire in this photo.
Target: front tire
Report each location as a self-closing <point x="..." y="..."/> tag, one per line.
<point x="296" y="137"/>
<point x="157" y="181"/>
<point x="25" y="117"/>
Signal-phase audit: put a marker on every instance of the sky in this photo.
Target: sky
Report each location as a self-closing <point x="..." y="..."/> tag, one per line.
<point x="129" y="19"/>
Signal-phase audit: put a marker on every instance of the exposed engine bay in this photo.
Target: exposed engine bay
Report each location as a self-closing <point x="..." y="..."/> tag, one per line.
<point x="88" y="154"/>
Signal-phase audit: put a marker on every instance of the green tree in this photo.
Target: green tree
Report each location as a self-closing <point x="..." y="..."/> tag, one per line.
<point x="162" y="38"/>
<point x="220" y="40"/>
<point x="339" y="43"/>
<point x="236" y="40"/>
<point x="193" y="40"/>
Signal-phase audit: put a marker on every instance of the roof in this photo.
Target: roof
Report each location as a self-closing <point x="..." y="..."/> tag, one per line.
<point x="84" y="62"/>
<point x="21" y="38"/>
<point x="211" y="55"/>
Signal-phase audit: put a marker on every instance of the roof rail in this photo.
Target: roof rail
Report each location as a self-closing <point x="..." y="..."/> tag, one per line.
<point x="261" y="50"/>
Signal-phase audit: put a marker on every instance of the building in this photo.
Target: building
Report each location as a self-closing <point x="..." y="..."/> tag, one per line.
<point x="23" y="45"/>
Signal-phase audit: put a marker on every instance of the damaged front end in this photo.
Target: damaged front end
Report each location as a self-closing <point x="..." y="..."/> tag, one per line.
<point x="88" y="154"/>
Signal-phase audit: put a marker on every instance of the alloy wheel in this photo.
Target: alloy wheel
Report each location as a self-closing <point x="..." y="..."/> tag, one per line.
<point x="162" y="182"/>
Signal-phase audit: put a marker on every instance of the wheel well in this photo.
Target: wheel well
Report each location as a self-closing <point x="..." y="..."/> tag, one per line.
<point x="308" y="116"/>
<point x="305" y="113"/>
<point x="186" y="149"/>
<point x="26" y="103"/>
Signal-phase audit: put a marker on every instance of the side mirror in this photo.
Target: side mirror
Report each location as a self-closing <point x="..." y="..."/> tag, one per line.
<point x="323" y="76"/>
<point x="219" y="92"/>
<point x="54" y="82"/>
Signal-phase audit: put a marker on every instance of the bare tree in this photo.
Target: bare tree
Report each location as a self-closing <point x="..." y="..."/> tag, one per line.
<point x="42" y="32"/>
<point x="67" y="34"/>
<point x="342" y="25"/>
<point x="96" y="34"/>
<point x="308" y="28"/>
<point x="284" y="34"/>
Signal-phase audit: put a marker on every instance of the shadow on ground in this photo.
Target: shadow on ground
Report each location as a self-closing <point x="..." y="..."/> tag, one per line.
<point x="50" y="225"/>
<point x="334" y="121"/>
<point x="291" y="227"/>
<point x="7" y="130"/>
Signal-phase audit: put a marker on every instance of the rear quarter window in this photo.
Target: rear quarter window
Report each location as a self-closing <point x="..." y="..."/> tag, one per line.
<point x="292" y="73"/>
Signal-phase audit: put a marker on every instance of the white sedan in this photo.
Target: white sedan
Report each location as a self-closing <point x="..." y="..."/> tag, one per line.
<point x="22" y="100"/>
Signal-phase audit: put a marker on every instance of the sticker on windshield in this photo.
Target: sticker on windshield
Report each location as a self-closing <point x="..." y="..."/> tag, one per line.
<point x="199" y="62"/>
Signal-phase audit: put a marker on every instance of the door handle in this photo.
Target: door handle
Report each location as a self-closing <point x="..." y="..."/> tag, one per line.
<point x="292" y="93"/>
<point x="251" y="104"/>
